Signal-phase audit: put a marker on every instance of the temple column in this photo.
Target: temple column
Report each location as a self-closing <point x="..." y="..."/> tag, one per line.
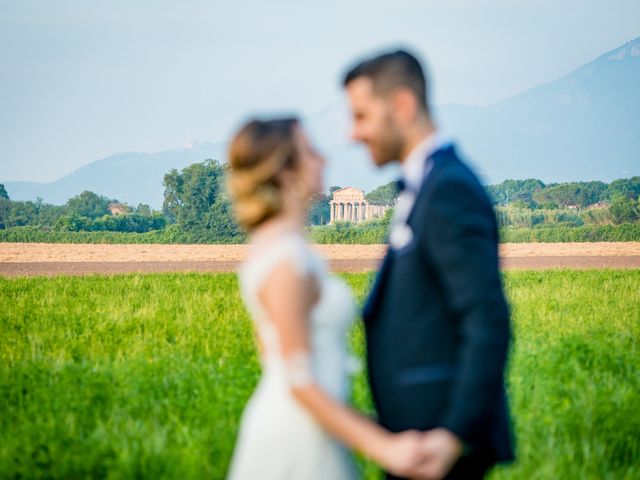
<point x="331" y="211"/>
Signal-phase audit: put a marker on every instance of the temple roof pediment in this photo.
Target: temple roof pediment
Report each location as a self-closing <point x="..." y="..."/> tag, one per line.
<point x="348" y="194"/>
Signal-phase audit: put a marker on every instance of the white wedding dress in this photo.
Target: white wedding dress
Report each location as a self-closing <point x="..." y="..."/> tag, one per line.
<point x="278" y="438"/>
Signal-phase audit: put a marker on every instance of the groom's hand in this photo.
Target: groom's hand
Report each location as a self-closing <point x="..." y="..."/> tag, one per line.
<point x="440" y="450"/>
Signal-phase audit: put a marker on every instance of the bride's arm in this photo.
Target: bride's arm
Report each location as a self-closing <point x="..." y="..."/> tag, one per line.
<point x="287" y="298"/>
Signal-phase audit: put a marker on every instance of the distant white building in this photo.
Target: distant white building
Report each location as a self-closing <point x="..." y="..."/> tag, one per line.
<point x="349" y="205"/>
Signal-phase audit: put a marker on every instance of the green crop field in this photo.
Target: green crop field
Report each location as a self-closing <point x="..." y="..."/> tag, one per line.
<point x="145" y="376"/>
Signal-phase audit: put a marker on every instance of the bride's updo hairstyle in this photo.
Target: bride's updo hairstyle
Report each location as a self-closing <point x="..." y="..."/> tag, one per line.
<point x="257" y="154"/>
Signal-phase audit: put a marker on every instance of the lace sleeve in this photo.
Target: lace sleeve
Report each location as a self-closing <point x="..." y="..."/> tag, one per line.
<point x="290" y="248"/>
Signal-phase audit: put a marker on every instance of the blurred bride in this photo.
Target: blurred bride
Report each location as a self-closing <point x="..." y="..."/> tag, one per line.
<point x="296" y="425"/>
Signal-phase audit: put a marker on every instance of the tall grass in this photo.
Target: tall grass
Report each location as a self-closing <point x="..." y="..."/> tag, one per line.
<point x="628" y="232"/>
<point x="575" y="374"/>
<point x="569" y="217"/>
<point x="146" y="375"/>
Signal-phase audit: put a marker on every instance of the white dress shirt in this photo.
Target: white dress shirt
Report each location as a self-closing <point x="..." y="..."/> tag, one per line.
<point x="415" y="168"/>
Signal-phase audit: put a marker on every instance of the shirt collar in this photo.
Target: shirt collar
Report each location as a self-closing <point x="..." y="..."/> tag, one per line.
<point x="413" y="166"/>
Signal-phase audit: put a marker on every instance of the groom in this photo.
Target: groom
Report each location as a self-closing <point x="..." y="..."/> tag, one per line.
<point x="437" y="323"/>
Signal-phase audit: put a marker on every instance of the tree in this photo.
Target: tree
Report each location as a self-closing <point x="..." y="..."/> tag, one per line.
<point x="5" y="207"/>
<point x="143" y="209"/>
<point x="74" y="223"/>
<point x="196" y="198"/>
<point x="172" y="203"/>
<point x="384" y="194"/>
<point x="624" y="210"/>
<point x="320" y="212"/>
<point x="520" y="191"/>
<point x="574" y="194"/>
<point x="22" y="213"/>
<point x="88" y="204"/>
<point x="626" y="187"/>
<point x="5" y="212"/>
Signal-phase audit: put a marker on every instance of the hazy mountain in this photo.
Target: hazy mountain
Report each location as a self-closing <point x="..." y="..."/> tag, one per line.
<point x="128" y="177"/>
<point x="583" y="126"/>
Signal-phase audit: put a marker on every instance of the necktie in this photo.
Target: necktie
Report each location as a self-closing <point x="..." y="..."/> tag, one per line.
<point x="401" y="184"/>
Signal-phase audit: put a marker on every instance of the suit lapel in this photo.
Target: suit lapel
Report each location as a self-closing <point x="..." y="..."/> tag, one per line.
<point x="437" y="158"/>
<point x="377" y="290"/>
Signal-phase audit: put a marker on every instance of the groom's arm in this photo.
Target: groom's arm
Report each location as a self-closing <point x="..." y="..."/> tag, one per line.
<point x="461" y="240"/>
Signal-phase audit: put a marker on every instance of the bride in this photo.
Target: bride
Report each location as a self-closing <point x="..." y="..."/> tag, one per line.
<point x="297" y="425"/>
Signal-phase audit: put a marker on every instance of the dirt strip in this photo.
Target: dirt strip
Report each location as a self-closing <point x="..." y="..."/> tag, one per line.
<point x="59" y="252"/>
<point x="27" y="269"/>
<point x="29" y="259"/>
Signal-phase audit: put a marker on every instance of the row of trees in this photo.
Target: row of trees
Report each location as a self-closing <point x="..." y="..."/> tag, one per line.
<point x="196" y="200"/>
<point x="577" y="203"/>
<point x="87" y="211"/>
<point x="533" y="193"/>
<point x="618" y="212"/>
<point x="197" y="204"/>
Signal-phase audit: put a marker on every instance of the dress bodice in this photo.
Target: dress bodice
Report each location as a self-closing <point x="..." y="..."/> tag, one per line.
<point x="330" y="317"/>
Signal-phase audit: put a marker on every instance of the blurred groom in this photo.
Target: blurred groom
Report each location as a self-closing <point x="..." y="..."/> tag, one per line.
<point x="437" y="323"/>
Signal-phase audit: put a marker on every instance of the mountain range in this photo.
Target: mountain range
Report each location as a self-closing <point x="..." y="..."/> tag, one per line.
<point x="582" y="126"/>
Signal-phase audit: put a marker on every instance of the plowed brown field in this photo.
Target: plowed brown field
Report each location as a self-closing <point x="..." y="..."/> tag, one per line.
<point x="26" y="259"/>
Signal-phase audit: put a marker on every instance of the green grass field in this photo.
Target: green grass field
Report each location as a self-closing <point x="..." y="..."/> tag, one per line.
<point x="145" y="376"/>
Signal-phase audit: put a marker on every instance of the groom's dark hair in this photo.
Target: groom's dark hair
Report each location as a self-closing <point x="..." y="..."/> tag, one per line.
<point x="390" y="71"/>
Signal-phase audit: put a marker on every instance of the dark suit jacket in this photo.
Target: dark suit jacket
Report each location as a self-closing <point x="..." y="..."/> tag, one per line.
<point x="437" y="323"/>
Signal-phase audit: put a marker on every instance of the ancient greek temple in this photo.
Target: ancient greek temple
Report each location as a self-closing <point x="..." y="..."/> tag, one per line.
<point x="349" y="205"/>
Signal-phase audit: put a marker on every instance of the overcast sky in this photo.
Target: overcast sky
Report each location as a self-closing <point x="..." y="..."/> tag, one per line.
<point x="80" y="80"/>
